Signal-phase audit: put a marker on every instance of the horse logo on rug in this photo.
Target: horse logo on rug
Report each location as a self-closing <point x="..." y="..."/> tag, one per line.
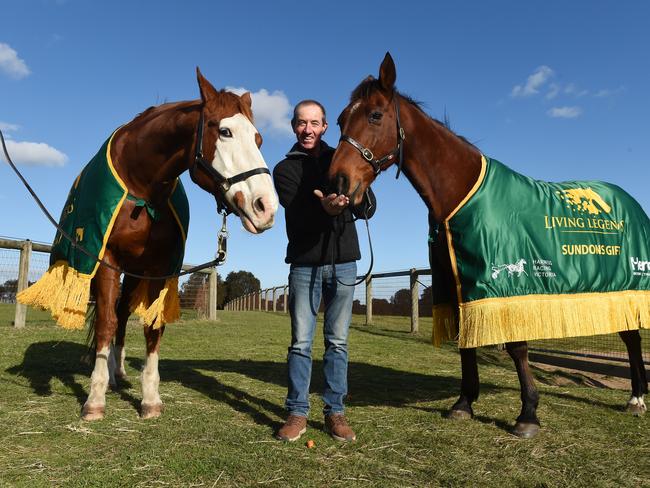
<point x="584" y="200"/>
<point x="517" y="267"/>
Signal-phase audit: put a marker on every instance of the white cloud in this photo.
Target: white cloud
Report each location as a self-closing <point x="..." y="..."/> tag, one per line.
<point x="5" y="126"/>
<point x="533" y="83"/>
<point x="608" y="93"/>
<point x="35" y="154"/>
<point x="11" y="64"/>
<point x="565" y="112"/>
<point x="553" y="91"/>
<point x="272" y="111"/>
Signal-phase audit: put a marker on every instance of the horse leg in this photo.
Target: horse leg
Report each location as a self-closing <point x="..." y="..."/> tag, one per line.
<point x="152" y="405"/>
<point x="129" y="284"/>
<point x="635" y="405"/>
<point x="469" y="386"/>
<point x="527" y="423"/>
<point x="106" y="285"/>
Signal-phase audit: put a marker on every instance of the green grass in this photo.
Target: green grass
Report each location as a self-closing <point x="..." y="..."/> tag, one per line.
<point x="223" y="384"/>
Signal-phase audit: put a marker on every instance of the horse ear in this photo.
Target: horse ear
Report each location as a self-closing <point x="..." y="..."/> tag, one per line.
<point x="205" y="87"/>
<point x="387" y="74"/>
<point x="246" y="98"/>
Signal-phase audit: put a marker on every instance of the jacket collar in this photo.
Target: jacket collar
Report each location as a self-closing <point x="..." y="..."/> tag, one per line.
<point x="297" y="151"/>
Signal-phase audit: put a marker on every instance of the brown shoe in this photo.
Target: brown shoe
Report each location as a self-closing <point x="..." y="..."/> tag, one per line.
<point x="338" y="428"/>
<point x="293" y="428"/>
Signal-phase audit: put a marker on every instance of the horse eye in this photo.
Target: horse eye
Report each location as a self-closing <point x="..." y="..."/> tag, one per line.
<point x="225" y="132"/>
<point x="376" y="116"/>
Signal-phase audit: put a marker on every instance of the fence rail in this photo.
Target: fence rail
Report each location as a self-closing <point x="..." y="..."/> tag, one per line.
<point x="408" y="303"/>
<point x="407" y="293"/>
<point x="17" y="274"/>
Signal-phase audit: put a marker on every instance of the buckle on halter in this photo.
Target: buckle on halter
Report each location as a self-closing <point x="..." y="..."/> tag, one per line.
<point x="367" y="154"/>
<point x="225" y="186"/>
<point x="402" y="135"/>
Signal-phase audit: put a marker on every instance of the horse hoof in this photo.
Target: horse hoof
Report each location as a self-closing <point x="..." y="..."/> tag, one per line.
<point x="459" y="415"/>
<point x="636" y="410"/>
<point x="90" y="413"/>
<point x="151" y="411"/>
<point x="525" y="430"/>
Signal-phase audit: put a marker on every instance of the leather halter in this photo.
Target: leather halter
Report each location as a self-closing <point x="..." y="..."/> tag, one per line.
<point x="378" y="163"/>
<point x="221" y="181"/>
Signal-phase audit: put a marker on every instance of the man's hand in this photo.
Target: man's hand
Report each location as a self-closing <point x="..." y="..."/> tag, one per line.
<point x="333" y="204"/>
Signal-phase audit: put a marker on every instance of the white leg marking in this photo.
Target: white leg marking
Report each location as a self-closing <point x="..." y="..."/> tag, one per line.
<point x="150" y="381"/>
<point x="637" y="401"/>
<point x="99" y="380"/>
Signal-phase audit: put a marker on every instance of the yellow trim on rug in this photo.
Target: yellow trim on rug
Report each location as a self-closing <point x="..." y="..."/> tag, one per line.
<point x="445" y="324"/>
<point x="116" y="212"/>
<point x="176" y="217"/>
<point x="164" y="309"/>
<point x="450" y="241"/>
<point x="62" y="290"/>
<point x="533" y="317"/>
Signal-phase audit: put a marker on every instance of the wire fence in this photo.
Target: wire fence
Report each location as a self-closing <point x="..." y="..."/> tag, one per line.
<point x="407" y="293"/>
<point x="194" y="290"/>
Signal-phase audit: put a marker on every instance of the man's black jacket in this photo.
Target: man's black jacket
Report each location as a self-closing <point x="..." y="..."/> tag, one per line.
<point x="313" y="234"/>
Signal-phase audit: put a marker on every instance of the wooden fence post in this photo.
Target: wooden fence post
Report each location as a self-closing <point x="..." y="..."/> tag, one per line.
<point x="415" y="295"/>
<point x="286" y="291"/>
<point x="369" y="300"/>
<point x="212" y="291"/>
<point x="266" y="300"/>
<point x="274" y="288"/>
<point x="23" y="282"/>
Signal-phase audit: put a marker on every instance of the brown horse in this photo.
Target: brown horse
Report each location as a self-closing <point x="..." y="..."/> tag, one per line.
<point x="148" y="155"/>
<point x="380" y="126"/>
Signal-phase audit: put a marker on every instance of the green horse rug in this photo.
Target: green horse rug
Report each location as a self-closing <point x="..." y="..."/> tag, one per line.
<point x="88" y="216"/>
<point x="537" y="260"/>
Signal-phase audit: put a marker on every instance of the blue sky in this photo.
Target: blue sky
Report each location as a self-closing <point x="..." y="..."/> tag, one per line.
<point x="556" y="90"/>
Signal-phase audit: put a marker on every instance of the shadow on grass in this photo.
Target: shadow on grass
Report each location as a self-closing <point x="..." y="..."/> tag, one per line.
<point x="44" y="361"/>
<point x="370" y="385"/>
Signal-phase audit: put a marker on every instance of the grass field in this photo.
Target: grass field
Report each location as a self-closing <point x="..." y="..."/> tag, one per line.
<point x="223" y="384"/>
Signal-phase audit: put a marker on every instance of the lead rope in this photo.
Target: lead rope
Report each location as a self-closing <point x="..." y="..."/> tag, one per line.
<point x="221" y="250"/>
<point x="372" y="256"/>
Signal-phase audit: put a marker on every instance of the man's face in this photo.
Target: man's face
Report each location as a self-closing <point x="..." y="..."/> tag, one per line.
<point x="309" y="127"/>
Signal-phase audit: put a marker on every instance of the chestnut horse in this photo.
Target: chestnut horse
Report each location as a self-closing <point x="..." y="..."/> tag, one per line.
<point x="149" y="154"/>
<point x="380" y="126"/>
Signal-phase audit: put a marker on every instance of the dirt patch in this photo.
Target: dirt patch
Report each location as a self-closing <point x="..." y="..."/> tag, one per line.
<point x="587" y="372"/>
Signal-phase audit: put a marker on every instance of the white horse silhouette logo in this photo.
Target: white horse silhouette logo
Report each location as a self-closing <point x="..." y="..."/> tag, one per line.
<point x="517" y="267"/>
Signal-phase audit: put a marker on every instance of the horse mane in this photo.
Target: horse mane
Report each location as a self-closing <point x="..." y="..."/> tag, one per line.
<point x="371" y="85"/>
<point x="226" y="99"/>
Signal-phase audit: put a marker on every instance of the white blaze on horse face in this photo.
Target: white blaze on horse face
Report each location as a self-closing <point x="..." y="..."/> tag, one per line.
<point x="236" y="154"/>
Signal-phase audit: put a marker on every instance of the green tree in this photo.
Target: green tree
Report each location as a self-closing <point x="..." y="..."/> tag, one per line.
<point x="240" y="283"/>
<point x="401" y="302"/>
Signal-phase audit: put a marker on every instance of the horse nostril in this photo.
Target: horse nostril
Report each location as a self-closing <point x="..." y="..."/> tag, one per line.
<point x="258" y="205"/>
<point x="342" y="184"/>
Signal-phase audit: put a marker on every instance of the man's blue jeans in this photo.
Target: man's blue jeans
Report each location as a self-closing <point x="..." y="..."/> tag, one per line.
<point x="306" y="286"/>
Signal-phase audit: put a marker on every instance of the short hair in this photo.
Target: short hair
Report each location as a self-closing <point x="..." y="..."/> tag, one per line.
<point x="301" y="104"/>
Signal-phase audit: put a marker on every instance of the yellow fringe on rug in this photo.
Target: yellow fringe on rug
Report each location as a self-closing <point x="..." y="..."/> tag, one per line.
<point x="445" y="324"/>
<point x="164" y="309"/>
<point x="64" y="292"/>
<point x="531" y="317"/>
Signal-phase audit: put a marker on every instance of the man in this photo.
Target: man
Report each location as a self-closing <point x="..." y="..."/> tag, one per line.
<point x="321" y="231"/>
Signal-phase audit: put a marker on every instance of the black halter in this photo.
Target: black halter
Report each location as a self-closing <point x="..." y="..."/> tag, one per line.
<point x="222" y="182"/>
<point x="378" y="164"/>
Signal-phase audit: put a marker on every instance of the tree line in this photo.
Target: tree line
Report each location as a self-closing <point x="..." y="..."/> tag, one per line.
<point x="193" y="292"/>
